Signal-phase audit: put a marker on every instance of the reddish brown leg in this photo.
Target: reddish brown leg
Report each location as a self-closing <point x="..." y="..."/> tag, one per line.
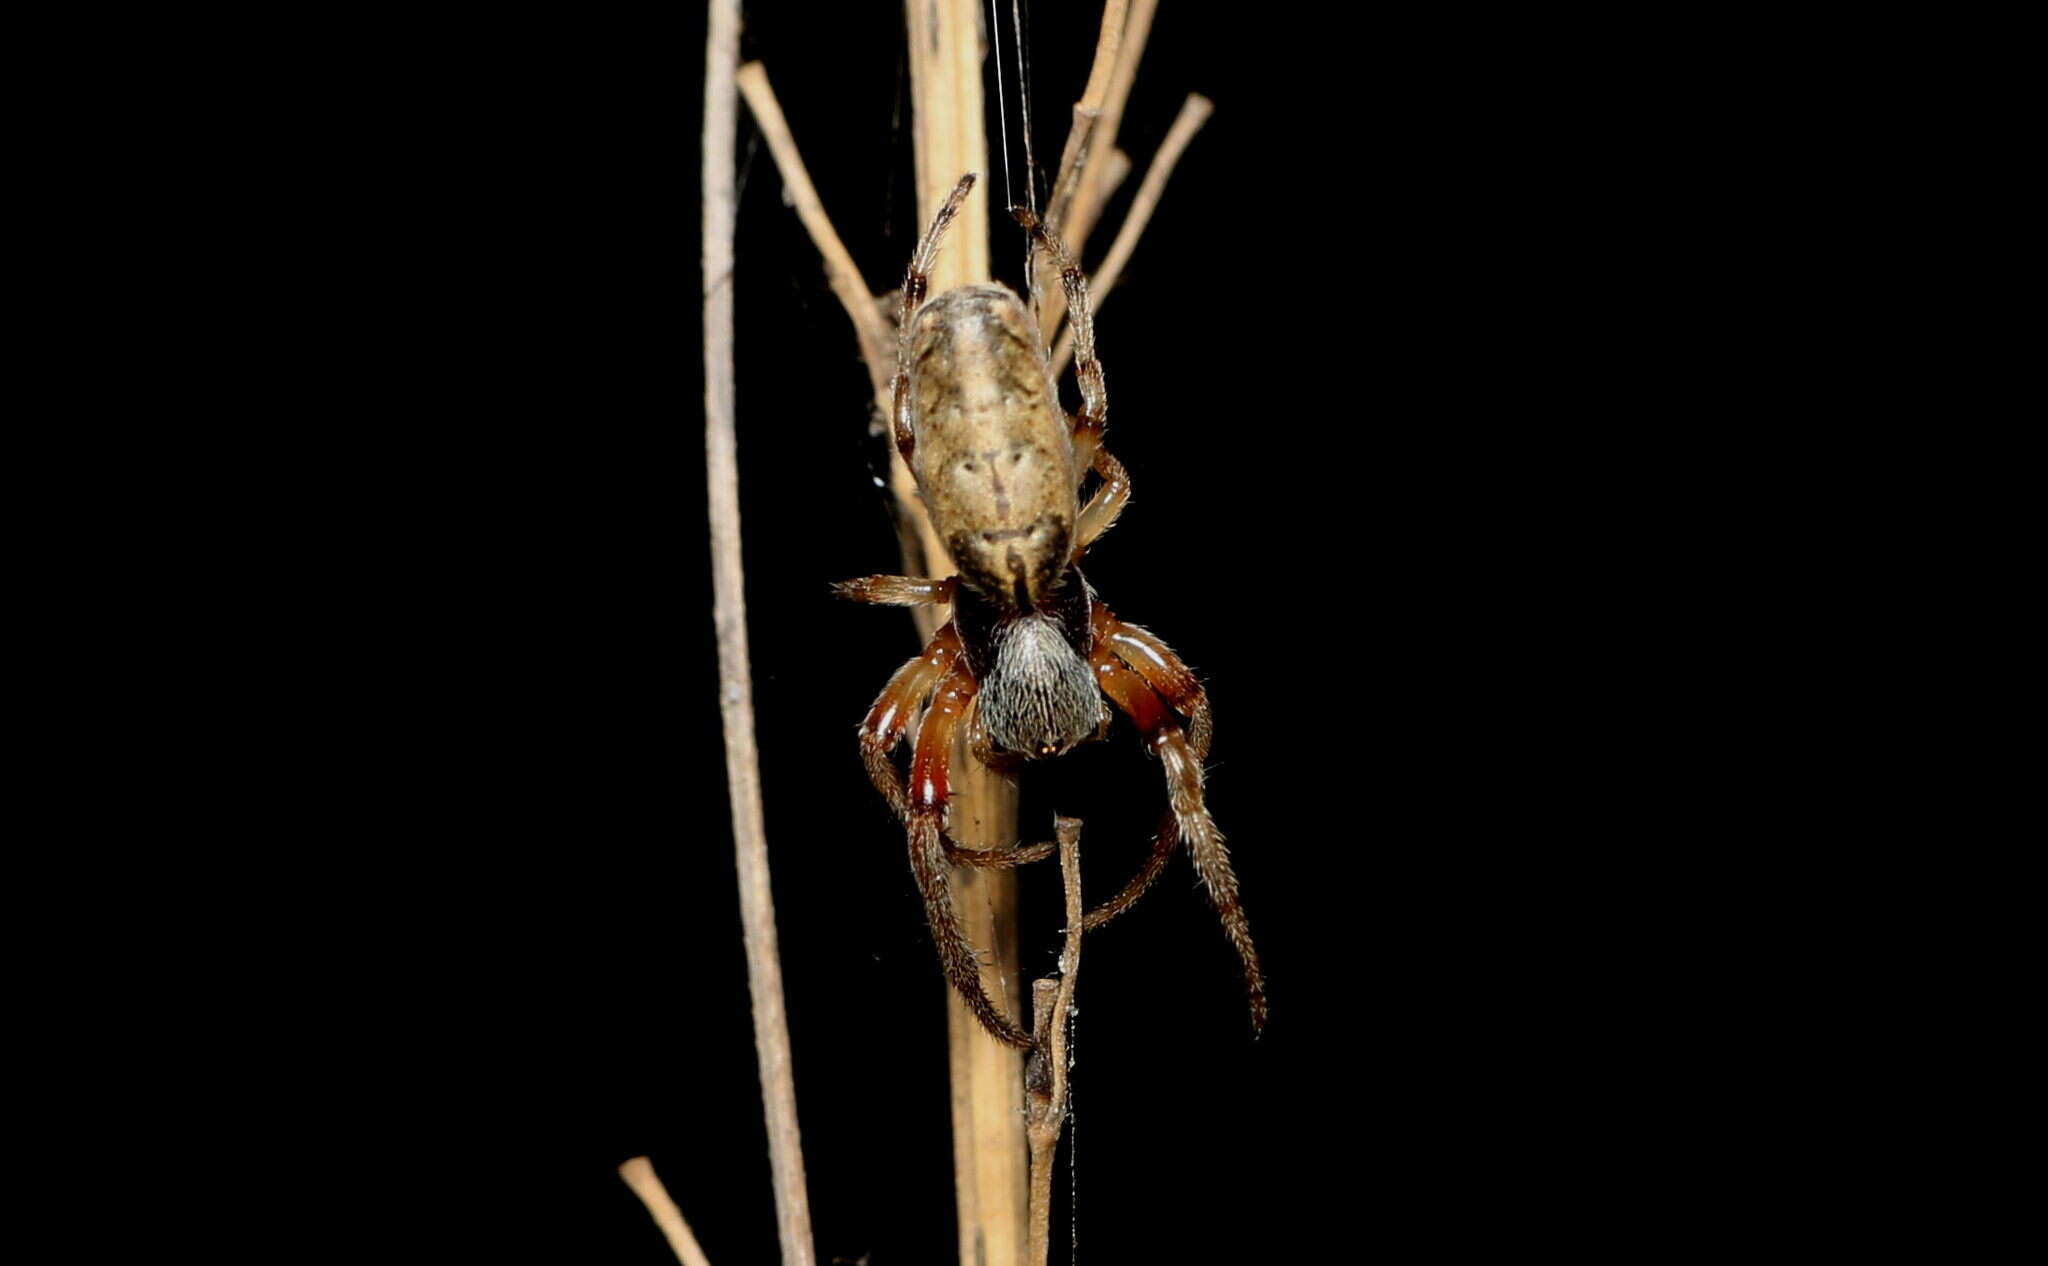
<point x="897" y="591"/>
<point x="1191" y="820"/>
<point x="1164" y="672"/>
<point x="929" y="793"/>
<point x="995" y="858"/>
<point x="1163" y="841"/>
<point x="889" y="720"/>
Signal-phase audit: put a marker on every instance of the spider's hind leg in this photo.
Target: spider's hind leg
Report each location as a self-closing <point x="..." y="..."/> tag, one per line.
<point x="1136" y="670"/>
<point x="926" y="821"/>
<point x="1172" y="680"/>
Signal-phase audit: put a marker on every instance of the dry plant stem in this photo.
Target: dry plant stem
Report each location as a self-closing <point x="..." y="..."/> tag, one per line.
<point x="1052" y="1004"/>
<point x="1082" y="191"/>
<point x="922" y="554"/>
<point x="729" y="615"/>
<point x="989" y="1175"/>
<point x="877" y="341"/>
<point x="1074" y="155"/>
<point x="1193" y="114"/>
<point x="640" y="1176"/>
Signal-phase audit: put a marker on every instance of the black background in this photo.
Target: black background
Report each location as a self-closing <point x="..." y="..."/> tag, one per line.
<point x="1380" y="370"/>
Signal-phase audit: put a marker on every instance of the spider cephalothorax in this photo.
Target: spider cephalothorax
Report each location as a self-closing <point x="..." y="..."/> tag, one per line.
<point x="1030" y="653"/>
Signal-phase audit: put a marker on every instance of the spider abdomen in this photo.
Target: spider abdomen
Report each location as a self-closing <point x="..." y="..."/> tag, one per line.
<point x="992" y="451"/>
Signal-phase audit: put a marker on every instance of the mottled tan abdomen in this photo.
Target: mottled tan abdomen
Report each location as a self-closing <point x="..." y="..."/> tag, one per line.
<point x="994" y="453"/>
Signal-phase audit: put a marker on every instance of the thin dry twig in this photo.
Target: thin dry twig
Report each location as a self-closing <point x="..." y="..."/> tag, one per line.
<point x="1074" y="155"/>
<point x="1193" y="114"/>
<point x="922" y="553"/>
<point x="646" y="1184"/>
<point x="1052" y="1005"/>
<point x="1085" y="186"/>
<point x="876" y="340"/>
<point x="729" y="615"/>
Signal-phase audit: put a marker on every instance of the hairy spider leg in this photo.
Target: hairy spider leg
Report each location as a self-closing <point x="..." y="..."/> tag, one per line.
<point x="1191" y="820"/>
<point x="930" y="791"/>
<point x="1162" y="670"/>
<point x="1107" y="503"/>
<point x="898" y="591"/>
<point x="1093" y="417"/>
<point x="1171" y="678"/>
<point x="1094" y="414"/>
<point x="916" y="282"/>
<point x="888" y="721"/>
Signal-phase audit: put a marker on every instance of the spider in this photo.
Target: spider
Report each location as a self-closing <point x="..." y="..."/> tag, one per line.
<point x="1031" y="652"/>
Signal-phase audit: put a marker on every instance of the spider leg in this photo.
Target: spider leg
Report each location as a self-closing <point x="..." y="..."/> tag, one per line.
<point x="1107" y="503"/>
<point x="1163" y="841"/>
<point x="889" y="719"/>
<point x="1109" y="499"/>
<point x="916" y="281"/>
<point x="1171" y="679"/>
<point x="1191" y="820"/>
<point x="930" y="791"/>
<point x="1162" y="670"/>
<point x="897" y="591"/>
<point x="1094" y="414"/>
<point x="994" y="858"/>
<point x="888" y="722"/>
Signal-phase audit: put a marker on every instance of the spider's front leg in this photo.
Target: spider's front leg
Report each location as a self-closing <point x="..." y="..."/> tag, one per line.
<point x="1135" y="670"/>
<point x="930" y="791"/>
<point x="1093" y="417"/>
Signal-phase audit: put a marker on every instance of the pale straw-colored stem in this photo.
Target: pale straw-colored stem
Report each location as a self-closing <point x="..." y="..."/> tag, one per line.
<point x="729" y="616"/>
<point x="1074" y="155"/>
<point x="1083" y="189"/>
<point x="877" y="341"/>
<point x="989" y="1173"/>
<point x="640" y="1176"/>
<point x="922" y="553"/>
<point x="1193" y="114"/>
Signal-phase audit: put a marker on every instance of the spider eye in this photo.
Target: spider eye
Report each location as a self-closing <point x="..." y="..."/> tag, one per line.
<point x="1016" y="457"/>
<point x="967" y="465"/>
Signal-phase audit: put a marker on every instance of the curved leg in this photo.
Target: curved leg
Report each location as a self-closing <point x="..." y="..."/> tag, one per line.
<point x="1105" y="505"/>
<point x="1163" y="842"/>
<point x="887" y="724"/>
<point x="916" y="281"/>
<point x="1094" y="414"/>
<point x="1190" y="814"/>
<point x="1172" y="680"/>
<point x="930" y="792"/>
<point x="1162" y="670"/>
<point x="889" y="719"/>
